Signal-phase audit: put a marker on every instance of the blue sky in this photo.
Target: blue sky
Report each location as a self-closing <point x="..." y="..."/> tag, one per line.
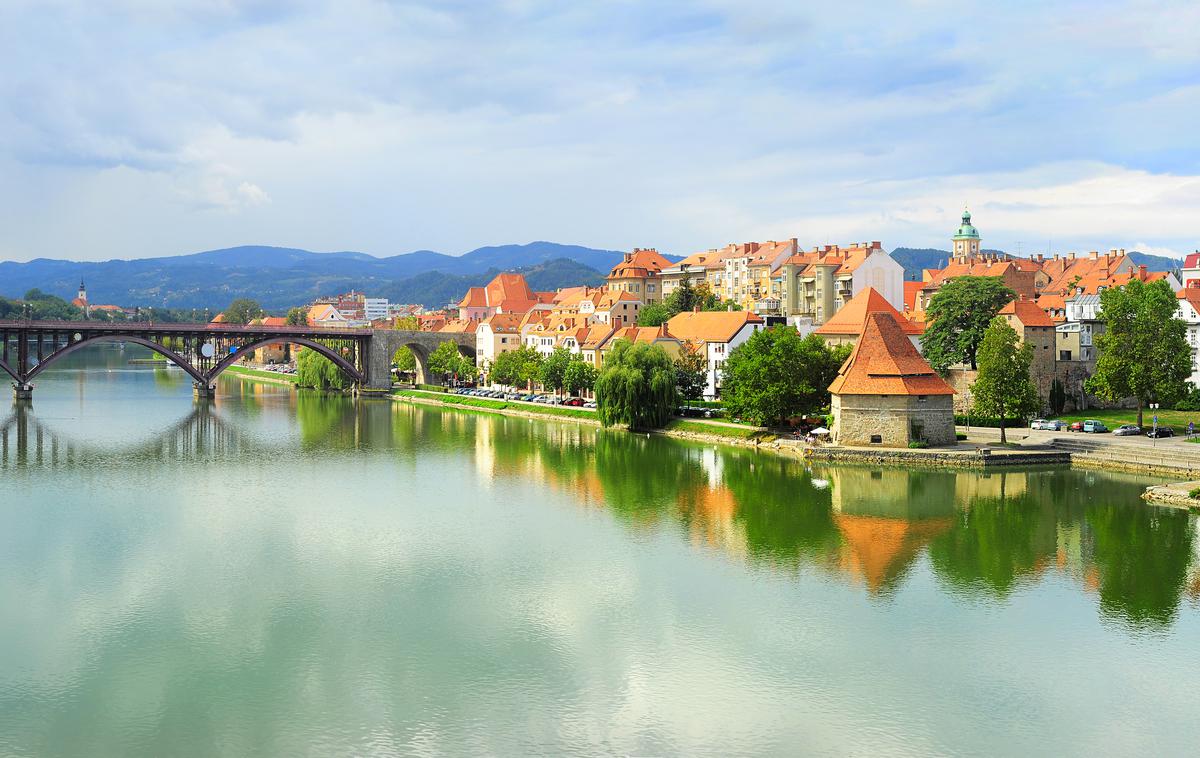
<point x="132" y="128"/>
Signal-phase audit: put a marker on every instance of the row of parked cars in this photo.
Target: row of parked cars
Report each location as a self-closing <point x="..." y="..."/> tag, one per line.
<point x="1093" y="426"/>
<point x="527" y="397"/>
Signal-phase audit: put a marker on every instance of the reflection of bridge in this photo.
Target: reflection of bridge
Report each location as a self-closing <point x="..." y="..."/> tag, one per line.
<point x="25" y="439"/>
<point x="205" y="350"/>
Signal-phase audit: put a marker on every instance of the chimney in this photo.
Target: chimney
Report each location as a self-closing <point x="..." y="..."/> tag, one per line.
<point x="877" y="245"/>
<point x="1056" y="256"/>
<point x="1094" y="255"/>
<point x="1142" y="272"/>
<point x="629" y="256"/>
<point x="1070" y="256"/>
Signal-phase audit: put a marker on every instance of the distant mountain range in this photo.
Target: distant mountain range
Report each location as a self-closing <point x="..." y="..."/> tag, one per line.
<point x="279" y="277"/>
<point x="917" y="259"/>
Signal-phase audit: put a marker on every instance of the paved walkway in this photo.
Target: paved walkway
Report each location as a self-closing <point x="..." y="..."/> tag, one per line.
<point x="1024" y="436"/>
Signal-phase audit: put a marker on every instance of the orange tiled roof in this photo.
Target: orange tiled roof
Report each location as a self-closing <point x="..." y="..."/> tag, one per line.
<point x="885" y="362"/>
<point x="274" y="321"/>
<point x="507" y="323"/>
<point x="1190" y="294"/>
<point x="646" y="334"/>
<point x="640" y="264"/>
<point x="459" y="326"/>
<point x="220" y="319"/>
<point x="852" y="316"/>
<point x="710" y="326"/>
<point x="1027" y="312"/>
<point x="910" y="295"/>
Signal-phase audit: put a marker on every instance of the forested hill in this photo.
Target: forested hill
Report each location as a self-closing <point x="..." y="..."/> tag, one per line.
<point x="916" y="259"/>
<point x="281" y="277"/>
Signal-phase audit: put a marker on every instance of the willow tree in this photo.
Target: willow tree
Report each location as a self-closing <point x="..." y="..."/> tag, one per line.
<point x="636" y="387"/>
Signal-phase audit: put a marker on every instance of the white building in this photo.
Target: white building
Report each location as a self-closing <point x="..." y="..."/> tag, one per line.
<point x="716" y="333"/>
<point x="1189" y="311"/>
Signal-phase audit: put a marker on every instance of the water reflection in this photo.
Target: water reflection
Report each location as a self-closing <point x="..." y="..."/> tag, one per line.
<point x="984" y="535"/>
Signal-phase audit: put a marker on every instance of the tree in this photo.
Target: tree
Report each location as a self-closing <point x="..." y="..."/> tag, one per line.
<point x="554" y="368"/>
<point x="777" y="374"/>
<point x="297" y="317"/>
<point x="516" y="367"/>
<point x="318" y="372"/>
<point x="655" y="315"/>
<point x="404" y="360"/>
<point x="959" y="314"/>
<point x="1144" y="352"/>
<point x="408" y="323"/>
<point x="1003" y="388"/>
<point x="1058" y="397"/>
<point x="691" y="372"/>
<point x="243" y="311"/>
<point x="449" y="362"/>
<point x="636" y="387"/>
<point x="579" y="376"/>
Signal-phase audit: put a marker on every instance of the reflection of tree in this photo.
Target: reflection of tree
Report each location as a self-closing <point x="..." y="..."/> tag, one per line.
<point x="1142" y="556"/>
<point x="784" y="516"/>
<point x="642" y="477"/>
<point x="326" y="419"/>
<point x="992" y="546"/>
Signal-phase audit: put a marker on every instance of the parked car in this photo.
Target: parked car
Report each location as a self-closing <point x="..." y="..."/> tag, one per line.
<point x="1076" y="426"/>
<point x="1050" y="425"/>
<point x="573" y="401"/>
<point x="1126" y="430"/>
<point x="590" y="404"/>
<point x="1094" y="426"/>
<point x="1160" y="432"/>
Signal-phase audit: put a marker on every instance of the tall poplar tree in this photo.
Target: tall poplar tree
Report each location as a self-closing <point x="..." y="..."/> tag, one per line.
<point x="1003" y="388"/>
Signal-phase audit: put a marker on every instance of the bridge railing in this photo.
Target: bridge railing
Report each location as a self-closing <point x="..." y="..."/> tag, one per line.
<point x="206" y="328"/>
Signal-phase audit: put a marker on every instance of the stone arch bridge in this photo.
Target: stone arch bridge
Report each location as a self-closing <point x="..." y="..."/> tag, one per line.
<point x="205" y="350"/>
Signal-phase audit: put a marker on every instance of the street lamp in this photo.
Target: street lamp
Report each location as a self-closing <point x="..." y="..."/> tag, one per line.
<point x="1154" y="434"/>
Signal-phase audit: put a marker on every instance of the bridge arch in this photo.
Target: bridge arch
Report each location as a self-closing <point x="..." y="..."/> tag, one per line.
<point x="347" y="367"/>
<point x="63" y="352"/>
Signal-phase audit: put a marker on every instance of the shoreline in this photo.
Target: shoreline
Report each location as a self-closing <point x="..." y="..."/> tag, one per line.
<point x="937" y="458"/>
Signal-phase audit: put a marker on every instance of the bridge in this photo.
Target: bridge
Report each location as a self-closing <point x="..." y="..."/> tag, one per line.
<point x="27" y="348"/>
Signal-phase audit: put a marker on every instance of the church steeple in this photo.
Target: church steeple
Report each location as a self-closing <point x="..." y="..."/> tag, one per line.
<point x="82" y="291"/>
<point x="966" y="239"/>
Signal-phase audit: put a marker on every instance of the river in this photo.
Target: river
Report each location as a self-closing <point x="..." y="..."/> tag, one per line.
<point x="293" y="574"/>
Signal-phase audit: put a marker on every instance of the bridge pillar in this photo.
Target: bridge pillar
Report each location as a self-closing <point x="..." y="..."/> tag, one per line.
<point x="203" y="391"/>
<point x="22" y="391"/>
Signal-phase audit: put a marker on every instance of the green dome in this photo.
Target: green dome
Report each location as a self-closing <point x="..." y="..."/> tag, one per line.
<point x="966" y="231"/>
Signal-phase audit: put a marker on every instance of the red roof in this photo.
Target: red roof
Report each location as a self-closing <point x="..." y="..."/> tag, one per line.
<point x="1192" y="260"/>
<point x="1028" y="313"/>
<point x="853" y="315"/>
<point x="274" y="321"/>
<point x="885" y="362"/>
<point x="910" y="294"/>
<point x="710" y="326"/>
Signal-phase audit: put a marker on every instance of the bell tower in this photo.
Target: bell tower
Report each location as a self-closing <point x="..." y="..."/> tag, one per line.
<point x="966" y="239"/>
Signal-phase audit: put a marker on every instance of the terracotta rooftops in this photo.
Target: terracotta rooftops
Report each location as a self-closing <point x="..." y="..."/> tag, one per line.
<point x="852" y="316"/>
<point x="885" y="362"/>
<point x="710" y="326"/>
<point x="639" y="264"/>
<point x="1027" y="312"/>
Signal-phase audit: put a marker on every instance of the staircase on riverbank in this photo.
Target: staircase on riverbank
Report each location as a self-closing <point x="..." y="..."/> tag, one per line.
<point x="1169" y="458"/>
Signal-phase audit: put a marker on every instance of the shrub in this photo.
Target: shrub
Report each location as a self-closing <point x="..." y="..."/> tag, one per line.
<point x="992" y="423"/>
<point x="960" y="436"/>
<point x="918" y="444"/>
<point x="1194" y="493"/>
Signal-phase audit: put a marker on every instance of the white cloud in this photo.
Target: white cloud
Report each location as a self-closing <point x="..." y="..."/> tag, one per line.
<point x="391" y="127"/>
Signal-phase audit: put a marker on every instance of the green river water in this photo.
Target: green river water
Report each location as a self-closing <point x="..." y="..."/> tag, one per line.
<point x="291" y="574"/>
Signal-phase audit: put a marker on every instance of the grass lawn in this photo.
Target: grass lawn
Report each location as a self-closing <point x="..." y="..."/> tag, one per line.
<point x="1114" y="418"/>
<point x="252" y="372"/>
<point x="699" y="427"/>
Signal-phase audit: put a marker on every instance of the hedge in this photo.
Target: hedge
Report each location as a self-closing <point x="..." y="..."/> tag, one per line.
<point x="994" y="423"/>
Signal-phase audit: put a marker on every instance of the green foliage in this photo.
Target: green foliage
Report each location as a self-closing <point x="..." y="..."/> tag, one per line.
<point x="243" y="311"/>
<point x="38" y="305"/>
<point x="636" y="386"/>
<point x="987" y="422"/>
<point x="554" y="369"/>
<point x="685" y="297"/>
<point x="1194" y="493"/>
<point x="691" y="373"/>
<point x="959" y="314"/>
<point x="654" y="315"/>
<point x="1058" y="397"/>
<point x="408" y="323"/>
<point x="580" y="376"/>
<point x="515" y="368"/>
<point x="777" y="374"/>
<point x="1003" y="387"/>
<point x="404" y="360"/>
<point x="918" y="444"/>
<point x="297" y="317"/>
<point x="1144" y="352"/>
<point x="318" y="372"/>
<point x="446" y="360"/>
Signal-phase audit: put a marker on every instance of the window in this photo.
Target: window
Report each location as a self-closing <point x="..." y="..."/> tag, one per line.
<point x="1064" y="355"/>
<point x="876" y="439"/>
<point x="922" y="398"/>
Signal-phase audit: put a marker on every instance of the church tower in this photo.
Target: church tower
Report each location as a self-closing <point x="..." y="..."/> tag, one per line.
<point x="966" y="239"/>
<point x="82" y="291"/>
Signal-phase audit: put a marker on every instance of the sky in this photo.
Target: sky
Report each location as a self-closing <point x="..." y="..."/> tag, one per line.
<point x="135" y="128"/>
